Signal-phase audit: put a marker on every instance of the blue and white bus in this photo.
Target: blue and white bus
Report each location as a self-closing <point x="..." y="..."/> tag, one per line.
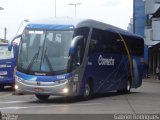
<point x="8" y="61"/>
<point x="70" y="57"/>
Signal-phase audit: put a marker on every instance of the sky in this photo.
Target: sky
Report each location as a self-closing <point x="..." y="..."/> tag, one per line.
<point x="114" y="12"/>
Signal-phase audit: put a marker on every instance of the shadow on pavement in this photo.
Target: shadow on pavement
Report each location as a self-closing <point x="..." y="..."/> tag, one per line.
<point x="7" y="89"/>
<point x="62" y="100"/>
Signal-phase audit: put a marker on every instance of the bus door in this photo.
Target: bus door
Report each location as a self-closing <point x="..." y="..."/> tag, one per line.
<point x="78" y="56"/>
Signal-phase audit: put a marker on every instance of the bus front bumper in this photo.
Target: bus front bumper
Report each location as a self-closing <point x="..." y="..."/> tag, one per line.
<point x="66" y="88"/>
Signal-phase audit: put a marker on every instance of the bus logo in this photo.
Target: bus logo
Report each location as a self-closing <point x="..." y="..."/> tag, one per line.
<point x="106" y="61"/>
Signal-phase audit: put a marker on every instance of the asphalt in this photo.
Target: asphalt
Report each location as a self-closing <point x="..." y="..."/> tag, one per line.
<point x="144" y="100"/>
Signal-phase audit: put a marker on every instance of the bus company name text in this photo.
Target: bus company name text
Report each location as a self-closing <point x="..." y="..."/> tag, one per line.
<point x="106" y="61"/>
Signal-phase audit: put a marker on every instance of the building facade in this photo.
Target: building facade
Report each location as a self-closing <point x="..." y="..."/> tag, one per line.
<point x="146" y="22"/>
<point x="152" y="33"/>
<point x="139" y="24"/>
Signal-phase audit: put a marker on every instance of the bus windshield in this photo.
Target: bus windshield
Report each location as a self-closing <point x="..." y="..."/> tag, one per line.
<point x="4" y="53"/>
<point x="44" y="51"/>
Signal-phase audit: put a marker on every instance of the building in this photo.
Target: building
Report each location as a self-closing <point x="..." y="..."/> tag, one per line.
<point x="146" y="22"/>
<point x="152" y="33"/>
<point x="139" y="17"/>
<point x="139" y="24"/>
<point x="130" y="26"/>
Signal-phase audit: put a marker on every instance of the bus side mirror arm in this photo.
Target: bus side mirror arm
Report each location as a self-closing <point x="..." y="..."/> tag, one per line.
<point x="12" y="40"/>
<point x="74" y="43"/>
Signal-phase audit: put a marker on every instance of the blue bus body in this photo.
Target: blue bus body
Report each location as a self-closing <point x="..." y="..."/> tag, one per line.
<point x="107" y="58"/>
<point x="8" y="61"/>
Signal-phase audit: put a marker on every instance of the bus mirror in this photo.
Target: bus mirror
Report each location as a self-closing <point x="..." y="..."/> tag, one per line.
<point x="74" y="43"/>
<point x="11" y="43"/>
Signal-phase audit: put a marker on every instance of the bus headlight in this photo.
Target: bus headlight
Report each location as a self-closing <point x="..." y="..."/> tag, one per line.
<point x="16" y="87"/>
<point x="65" y="90"/>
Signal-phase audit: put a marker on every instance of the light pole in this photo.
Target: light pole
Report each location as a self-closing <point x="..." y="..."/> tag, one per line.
<point x="26" y="20"/>
<point x="55" y="8"/>
<point x="75" y="5"/>
<point x="1" y="8"/>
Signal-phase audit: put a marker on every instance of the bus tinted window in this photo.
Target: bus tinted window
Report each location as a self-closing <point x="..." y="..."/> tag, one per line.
<point x="77" y="57"/>
<point x="136" y="46"/>
<point x="84" y="31"/>
<point x="107" y="42"/>
<point x="111" y="42"/>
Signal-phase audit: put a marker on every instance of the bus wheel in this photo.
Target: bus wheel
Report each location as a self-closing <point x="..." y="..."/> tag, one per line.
<point x="127" y="87"/>
<point x="42" y="97"/>
<point x="87" y="91"/>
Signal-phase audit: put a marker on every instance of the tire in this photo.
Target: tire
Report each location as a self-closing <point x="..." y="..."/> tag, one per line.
<point x="127" y="88"/>
<point x="42" y="97"/>
<point x="13" y="87"/>
<point x="87" y="91"/>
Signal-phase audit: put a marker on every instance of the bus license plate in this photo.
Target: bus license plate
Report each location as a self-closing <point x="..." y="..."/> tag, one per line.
<point x="38" y="89"/>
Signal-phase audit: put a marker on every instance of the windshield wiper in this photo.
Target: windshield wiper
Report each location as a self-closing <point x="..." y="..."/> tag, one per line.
<point x="33" y="59"/>
<point x="48" y="61"/>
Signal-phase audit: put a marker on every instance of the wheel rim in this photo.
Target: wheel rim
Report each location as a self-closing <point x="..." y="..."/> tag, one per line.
<point x="128" y="86"/>
<point x="87" y="90"/>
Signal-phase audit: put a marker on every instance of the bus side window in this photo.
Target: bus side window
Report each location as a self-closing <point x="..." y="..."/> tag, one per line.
<point x="96" y="41"/>
<point x="106" y="42"/>
<point x="92" y="46"/>
<point x="79" y="54"/>
<point x="135" y="46"/>
<point x="114" y="43"/>
<point x="83" y="31"/>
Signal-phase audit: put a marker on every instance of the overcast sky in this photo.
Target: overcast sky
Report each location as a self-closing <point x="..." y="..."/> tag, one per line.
<point x="114" y="12"/>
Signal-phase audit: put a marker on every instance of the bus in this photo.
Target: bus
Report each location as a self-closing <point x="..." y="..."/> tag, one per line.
<point x="8" y="61"/>
<point x="77" y="57"/>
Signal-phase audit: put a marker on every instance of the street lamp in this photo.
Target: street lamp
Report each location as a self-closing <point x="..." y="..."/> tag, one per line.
<point x="1" y="8"/>
<point x="55" y="8"/>
<point x="26" y="20"/>
<point x="75" y="5"/>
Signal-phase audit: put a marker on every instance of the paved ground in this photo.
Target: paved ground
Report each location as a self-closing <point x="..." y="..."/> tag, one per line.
<point x="145" y="99"/>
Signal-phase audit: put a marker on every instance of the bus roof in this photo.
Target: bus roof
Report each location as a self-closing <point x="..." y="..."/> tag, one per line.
<point x="66" y="23"/>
